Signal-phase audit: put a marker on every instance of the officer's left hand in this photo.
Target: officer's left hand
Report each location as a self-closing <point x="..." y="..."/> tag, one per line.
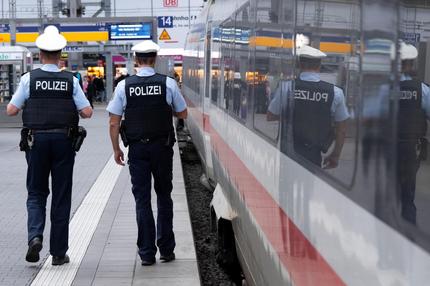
<point x="331" y="161"/>
<point x="119" y="157"/>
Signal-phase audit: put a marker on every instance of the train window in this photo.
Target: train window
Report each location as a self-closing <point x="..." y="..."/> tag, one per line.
<point x="239" y="85"/>
<point x="207" y="59"/>
<point x="198" y="73"/>
<point x="227" y="60"/>
<point x="322" y="98"/>
<point x="189" y="67"/>
<point x="200" y="76"/>
<point x="271" y="65"/>
<point x="195" y="73"/>
<point x="188" y="87"/>
<point x="215" y="66"/>
<point x="413" y="115"/>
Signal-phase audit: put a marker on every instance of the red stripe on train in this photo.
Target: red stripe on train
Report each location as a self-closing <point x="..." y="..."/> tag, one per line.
<point x="303" y="262"/>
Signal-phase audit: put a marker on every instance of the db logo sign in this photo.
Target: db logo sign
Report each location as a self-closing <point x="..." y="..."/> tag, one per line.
<point x="170" y="3"/>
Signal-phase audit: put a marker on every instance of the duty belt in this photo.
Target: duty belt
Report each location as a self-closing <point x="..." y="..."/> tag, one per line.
<point x="55" y="130"/>
<point x="153" y="139"/>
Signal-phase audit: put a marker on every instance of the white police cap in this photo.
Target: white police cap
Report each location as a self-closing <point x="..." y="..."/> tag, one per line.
<point x="408" y="52"/>
<point x="51" y="40"/>
<point x="306" y="51"/>
<point x="146" y="47"/>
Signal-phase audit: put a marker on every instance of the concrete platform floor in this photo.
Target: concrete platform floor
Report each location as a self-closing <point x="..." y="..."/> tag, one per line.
<point x="109" y="254"/>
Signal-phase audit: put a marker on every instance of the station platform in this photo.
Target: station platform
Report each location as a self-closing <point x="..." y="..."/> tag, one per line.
<point x="103" y="230"/>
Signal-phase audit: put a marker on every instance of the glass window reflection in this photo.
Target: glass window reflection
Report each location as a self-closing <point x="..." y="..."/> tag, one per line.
<point x="413" y="165"/>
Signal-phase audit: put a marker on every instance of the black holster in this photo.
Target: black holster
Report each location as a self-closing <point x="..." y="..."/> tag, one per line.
<point x="77" y="134"/>
<point x="171" y="139"/>
<point x="23" y="143"/>
<point x="123" y="134"/>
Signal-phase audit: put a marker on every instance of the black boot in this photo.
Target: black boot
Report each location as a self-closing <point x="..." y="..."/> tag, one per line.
<point x="60" y="260"/>
<point x="34" y="247"/>
<point x="167" y="258"/>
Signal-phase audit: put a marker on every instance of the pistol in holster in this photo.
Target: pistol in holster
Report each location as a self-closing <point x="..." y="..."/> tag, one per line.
<point x="123" y="134"/>
<point x="170" y="139"/>
<point x="27" y="140"/>
<point x="77" y="134"/>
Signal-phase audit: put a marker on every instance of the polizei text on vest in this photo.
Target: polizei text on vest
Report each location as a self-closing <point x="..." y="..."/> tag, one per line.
<point x="51" y="85"/>
<point x="409" y="95"/>
<point x="310" y="96"/>
<point x="145" y="90"/>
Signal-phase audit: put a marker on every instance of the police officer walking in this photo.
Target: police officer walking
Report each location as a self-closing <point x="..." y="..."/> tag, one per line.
<point x="148" y="101"/>
<point x="316" y="104"/>
<point x="414" y="111"/>
<point x="51" y="101"/>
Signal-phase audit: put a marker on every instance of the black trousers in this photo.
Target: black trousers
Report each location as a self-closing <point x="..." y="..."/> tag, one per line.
<point x="407" y="168"/>
<point x="157" y="159"/>
<point x="52" y="154"/>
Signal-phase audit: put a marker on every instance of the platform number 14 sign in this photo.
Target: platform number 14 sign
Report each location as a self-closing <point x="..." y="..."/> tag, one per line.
<point x="165" y="22"/>
<point x="170" y="3"/>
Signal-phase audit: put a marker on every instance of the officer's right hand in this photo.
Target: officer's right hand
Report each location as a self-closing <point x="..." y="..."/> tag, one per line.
<point x="331" y="161"/>
<point x="119" y="157"/>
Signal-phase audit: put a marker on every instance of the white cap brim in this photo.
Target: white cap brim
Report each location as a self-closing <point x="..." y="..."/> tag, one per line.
<point x="310" y="52"/>
<point x="50" y="42"/>
<point x="146" y="47"/>
<point x="408" y="52"/>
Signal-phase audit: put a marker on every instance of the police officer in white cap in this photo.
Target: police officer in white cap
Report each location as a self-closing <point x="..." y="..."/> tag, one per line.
<point x="148" y="101"/>
<point x="51" y="101"/>
<point x="316" y="105"/>
<point x="413" y="113"/>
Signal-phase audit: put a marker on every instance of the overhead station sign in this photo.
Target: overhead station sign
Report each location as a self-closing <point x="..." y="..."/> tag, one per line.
<point x="83" y="32"/>
<point x="139" y="31"/>
<point x="174" y="18"/>
<point x="170" y="3"/>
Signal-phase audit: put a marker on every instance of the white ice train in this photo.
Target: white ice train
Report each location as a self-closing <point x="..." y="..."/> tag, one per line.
<point x="295" y="223"/>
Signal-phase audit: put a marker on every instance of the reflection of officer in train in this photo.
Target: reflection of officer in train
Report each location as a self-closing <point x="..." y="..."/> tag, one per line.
<point x="214" y="87"/>
<point x="148" y="100"/>
<point x="414" y="109"/>
<point x="238" y="86"/>
<point x="53" y="100"/>
<point x="316" y="104"/>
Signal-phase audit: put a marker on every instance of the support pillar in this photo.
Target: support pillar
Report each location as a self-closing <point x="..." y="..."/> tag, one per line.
<point x="109" y="75"/>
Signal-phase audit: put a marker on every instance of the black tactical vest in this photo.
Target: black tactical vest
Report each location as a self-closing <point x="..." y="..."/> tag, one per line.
<point x="147" y="114"/>
<point x="412" y="123"/>
<point x="50" y="104"/>
<point x="312" y="122"/>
